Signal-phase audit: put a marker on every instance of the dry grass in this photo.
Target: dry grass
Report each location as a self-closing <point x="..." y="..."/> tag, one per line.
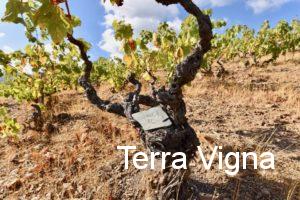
<point x="251" y="109"/>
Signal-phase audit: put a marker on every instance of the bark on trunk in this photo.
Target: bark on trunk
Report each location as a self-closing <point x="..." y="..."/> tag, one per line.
<point x="180" y="136"/>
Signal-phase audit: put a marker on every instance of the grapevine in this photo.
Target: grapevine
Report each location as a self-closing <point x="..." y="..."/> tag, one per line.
<point x="9" y="127"/>
<point x="179" y="55"/>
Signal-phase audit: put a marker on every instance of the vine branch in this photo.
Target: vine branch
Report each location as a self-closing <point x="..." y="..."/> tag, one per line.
<point x="172" y="97"/>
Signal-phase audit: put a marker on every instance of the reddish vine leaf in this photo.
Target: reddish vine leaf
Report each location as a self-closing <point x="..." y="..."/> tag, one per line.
<point x="132" y="44"/>
<point x="56" y="2"/>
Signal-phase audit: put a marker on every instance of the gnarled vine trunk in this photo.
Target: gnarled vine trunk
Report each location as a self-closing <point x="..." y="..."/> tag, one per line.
<point x="180" y="136"/>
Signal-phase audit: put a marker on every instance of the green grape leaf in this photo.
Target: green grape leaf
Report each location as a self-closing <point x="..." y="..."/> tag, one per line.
<point x="53" y="19"/>
<point x="75" y="21"/>
<point x="87" y="45"/>
<point x="14" y="10"/>
<point x="122" y="30"/>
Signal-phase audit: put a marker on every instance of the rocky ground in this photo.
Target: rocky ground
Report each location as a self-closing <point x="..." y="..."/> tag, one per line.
<point x="247" y="109"/>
